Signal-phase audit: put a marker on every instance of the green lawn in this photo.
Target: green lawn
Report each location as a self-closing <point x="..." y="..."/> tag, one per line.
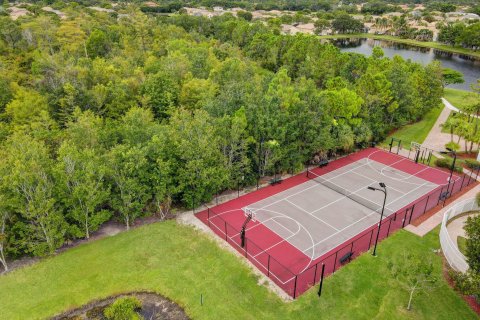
<point x="417" y="131"/>
<point x="460" y="98"/>
<point x="431" y="44"/>
<point x="462" y="244"/>
<point x="182" y="263"/>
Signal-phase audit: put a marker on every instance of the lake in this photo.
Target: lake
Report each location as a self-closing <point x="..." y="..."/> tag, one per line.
<point x="470" y="67"/>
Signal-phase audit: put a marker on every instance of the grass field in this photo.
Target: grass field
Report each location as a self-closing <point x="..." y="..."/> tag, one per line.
<point x="417" y="131"/>
<point x="431" y="44"/>
<point x="462" y="244"/>
<point x="182" y="263"/>
<point x="460" y="98"/>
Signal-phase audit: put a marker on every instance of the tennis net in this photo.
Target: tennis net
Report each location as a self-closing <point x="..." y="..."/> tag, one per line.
<point x="349" y="194"/>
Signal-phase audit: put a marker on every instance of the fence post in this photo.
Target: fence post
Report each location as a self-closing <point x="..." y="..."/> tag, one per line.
<point x="335" y="263"/>
<point x="440" y="196"/>
<point x="295" y="288"/>
<point x="246" y="251"/>
<point x="463" y="180"/>
<point x="370" y="242"/>
<point x="411" y="214"/>
<point x="268" y="266"/>
<point x="321" y="280"/>
<point x="208" y="216"/>
<point x="426" y="203"/>
<point x="388" y="230"/>
<point x="226" y="236"/>
<point x="315" y="273"/>
<point x="405" y="218"/>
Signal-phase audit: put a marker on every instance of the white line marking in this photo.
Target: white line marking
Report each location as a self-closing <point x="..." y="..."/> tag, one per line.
<point x="310" y="214"/>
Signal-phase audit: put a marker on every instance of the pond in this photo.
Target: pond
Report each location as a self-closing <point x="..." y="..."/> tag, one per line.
<point x="470" y="67"/>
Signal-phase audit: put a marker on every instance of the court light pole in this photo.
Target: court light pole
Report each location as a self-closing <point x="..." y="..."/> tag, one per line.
<point x="384" y="190"/>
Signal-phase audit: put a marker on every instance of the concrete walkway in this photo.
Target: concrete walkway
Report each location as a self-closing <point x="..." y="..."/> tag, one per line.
<point x="455" y="227"/>
<point x="436" y="140"/>
<point x="430" y="224"/>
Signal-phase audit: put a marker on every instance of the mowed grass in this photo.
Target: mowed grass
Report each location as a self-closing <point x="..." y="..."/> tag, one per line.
<point x="460" y="98"/>
<point x="462" y="244"/>
<point x="182" y="263"/>
<point x="417" y="131"/>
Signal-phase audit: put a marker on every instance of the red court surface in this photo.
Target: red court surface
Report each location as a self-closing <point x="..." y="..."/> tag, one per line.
<point x="302" y="223"/>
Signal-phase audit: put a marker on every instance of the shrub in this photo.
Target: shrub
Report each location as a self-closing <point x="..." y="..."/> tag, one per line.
<point x="453" y="146"/>
<point x="123" y="309"/>
<point x="472" y="164"/>
<point x="447" y="163"/>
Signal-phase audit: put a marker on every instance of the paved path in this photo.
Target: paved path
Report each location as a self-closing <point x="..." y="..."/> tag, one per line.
<point x="430" y="224"/>
<point x="436" y="139"/>
<point x="455" y="227"/>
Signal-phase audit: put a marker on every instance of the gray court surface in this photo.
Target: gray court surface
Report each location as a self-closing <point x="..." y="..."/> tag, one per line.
<point x="315" y="219"/>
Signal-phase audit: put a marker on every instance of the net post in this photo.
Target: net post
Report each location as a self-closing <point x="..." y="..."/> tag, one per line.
<point x="295" y="287"/>
<point x="321" y="280"/>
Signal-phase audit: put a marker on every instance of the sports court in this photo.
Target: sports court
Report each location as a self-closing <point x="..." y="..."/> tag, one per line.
<point x="328" y="215"/>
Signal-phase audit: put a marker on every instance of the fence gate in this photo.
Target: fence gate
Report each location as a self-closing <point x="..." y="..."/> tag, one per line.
<point x="395" y="145"/>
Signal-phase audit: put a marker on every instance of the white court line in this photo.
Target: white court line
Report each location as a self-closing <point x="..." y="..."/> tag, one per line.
<point x="346" y="197"/>
<point x="305" y="189"/>
<point x="281" y="225"/>
<point x="405" y="158"/>
<point x="328" y="224"/>
<point x="260" y="263"/>
<point x="350" y="225"/>
<point x="398" y="198"/>
<point x="373" y="180"/>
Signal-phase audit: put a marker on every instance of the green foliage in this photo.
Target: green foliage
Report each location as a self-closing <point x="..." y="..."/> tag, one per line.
<point x="245" y="15"/>
<point x="452" y="146"/>
<point x="123" y="309"/>
<point x="452" y="76"/>
<point x="472" y="233"/>
<point x="472" y="164"/>
<point x="141" y="113"/>
<point x="345" y="23"/>
<point x="447" y="163"/>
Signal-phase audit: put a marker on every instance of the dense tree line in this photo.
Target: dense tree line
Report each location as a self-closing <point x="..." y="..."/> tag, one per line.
<point x="104" y="117"/>
<point x="461" y="34"/>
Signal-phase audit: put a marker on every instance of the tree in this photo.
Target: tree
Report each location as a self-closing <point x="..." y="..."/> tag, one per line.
<point x="416" y="274"/>
<point x="472" y="232"/>
<point x="162" y="93"/>
<point x="451" y="76"/>
<point x="321" y="25"/>
<point x="31" y="188"/>
<point x="344" y="23"/>
<point x="81" y="175"/>
<point x="196" y="93"/>
<point x="27" y="106"/>
<point x="98" y="44"/>
<point x="245" y="15"/>
<point x="129" y="172"/>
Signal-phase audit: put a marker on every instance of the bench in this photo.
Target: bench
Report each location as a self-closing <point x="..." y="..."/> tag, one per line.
<point x="346" y="257"/>
<point x="323" y="163"/>
<point x="275" y="181"/>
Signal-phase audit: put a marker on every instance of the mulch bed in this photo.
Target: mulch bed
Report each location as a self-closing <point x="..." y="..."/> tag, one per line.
<point x="471" y="301"/>
<point x="154" y="306"/>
